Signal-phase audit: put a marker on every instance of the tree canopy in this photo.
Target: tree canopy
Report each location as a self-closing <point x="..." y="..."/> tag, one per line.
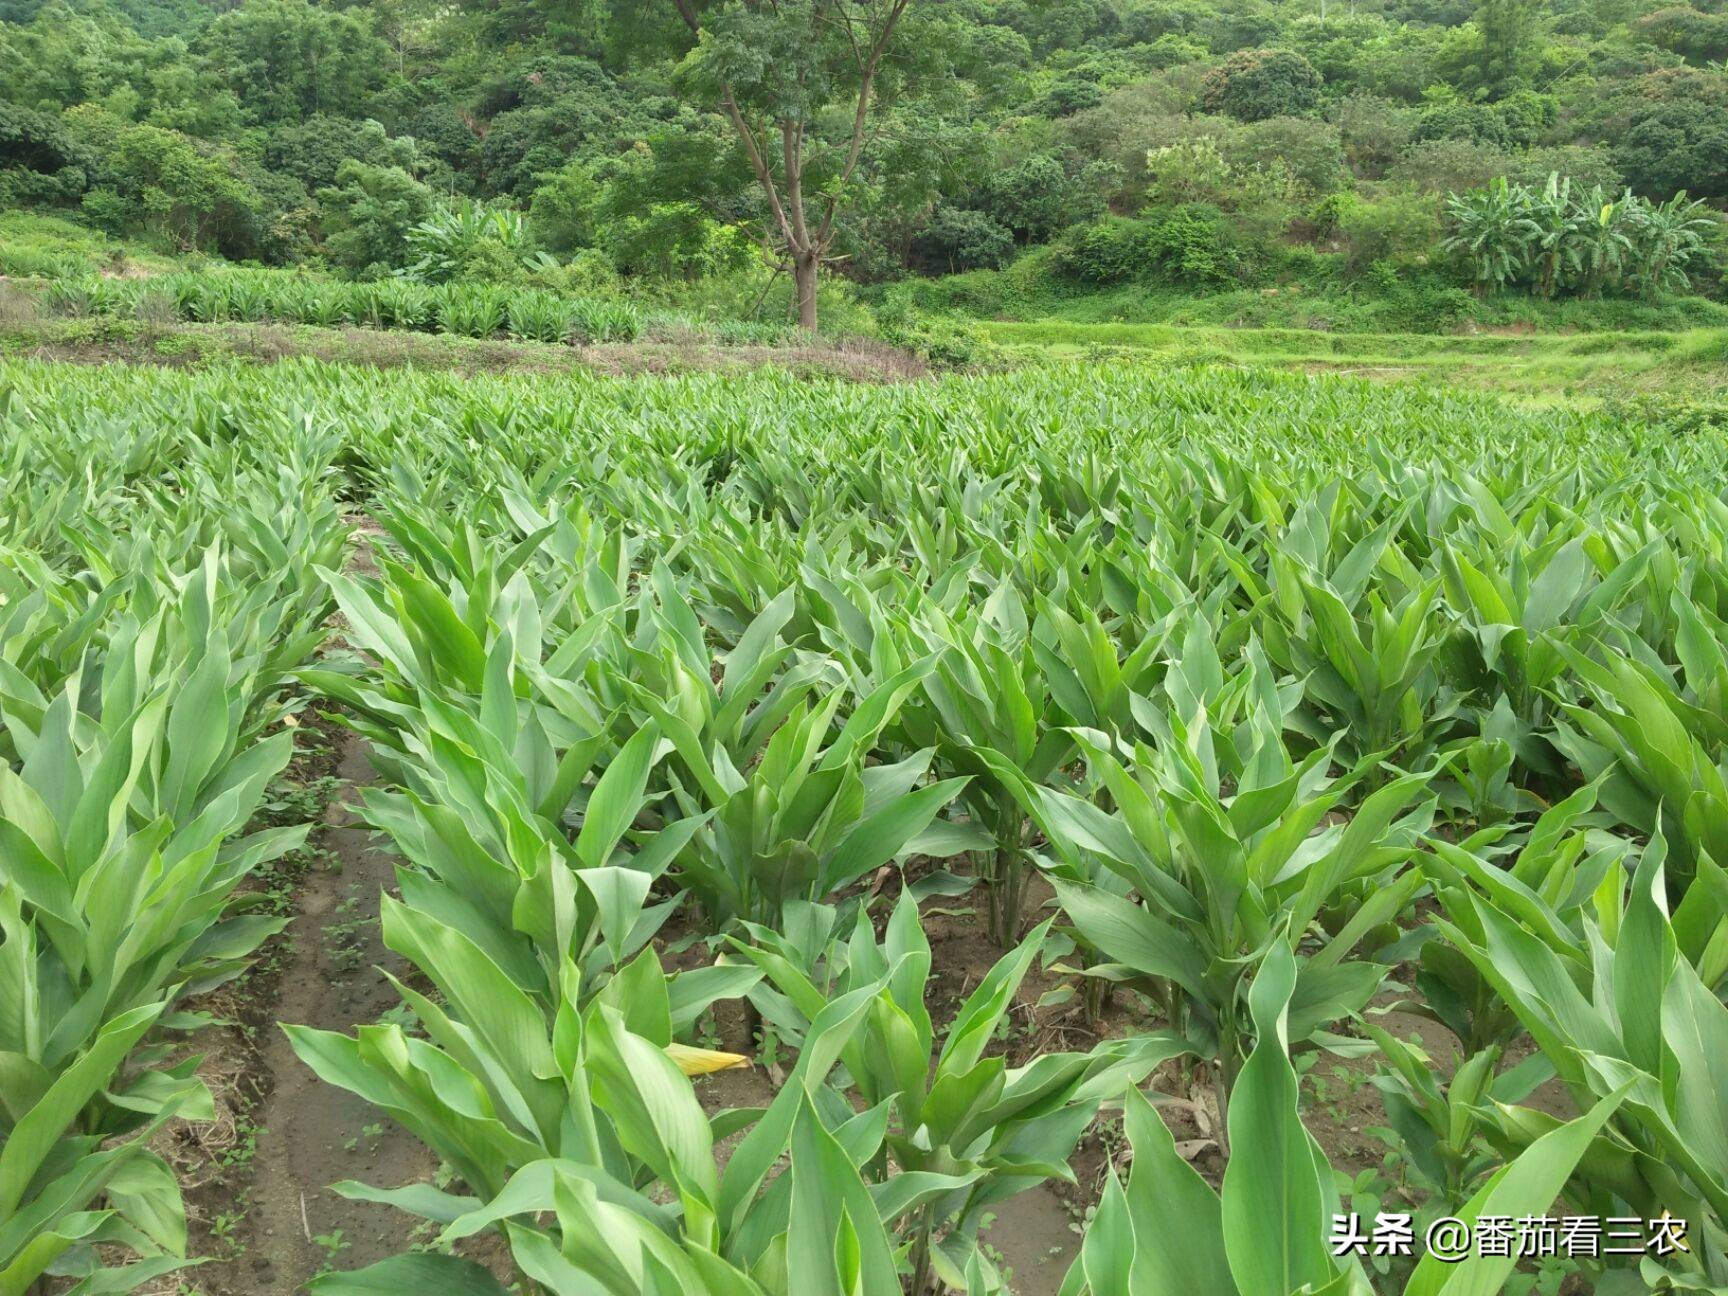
<point x="867" y="140"/>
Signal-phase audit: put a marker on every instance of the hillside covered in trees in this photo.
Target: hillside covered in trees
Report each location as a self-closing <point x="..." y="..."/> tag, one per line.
<point x="1433" y="148"/>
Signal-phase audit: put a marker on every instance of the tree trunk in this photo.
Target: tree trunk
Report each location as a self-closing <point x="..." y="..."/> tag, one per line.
<point x="804" y="265"/>
<point x="806" y="242"/>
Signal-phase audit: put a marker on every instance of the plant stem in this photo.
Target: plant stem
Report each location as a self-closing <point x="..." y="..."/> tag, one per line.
<point x="1221" y="1088"/>
<point x="1007" y="881"/>
<point x="921" y="1251"/>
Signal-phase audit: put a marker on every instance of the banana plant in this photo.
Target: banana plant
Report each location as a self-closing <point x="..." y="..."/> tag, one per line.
<point x="1166" y="1232"/>
<point x="1492" y="232"/>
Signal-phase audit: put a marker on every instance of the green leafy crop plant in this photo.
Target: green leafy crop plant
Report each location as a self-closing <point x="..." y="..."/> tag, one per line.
<point x="1242" y="721"/>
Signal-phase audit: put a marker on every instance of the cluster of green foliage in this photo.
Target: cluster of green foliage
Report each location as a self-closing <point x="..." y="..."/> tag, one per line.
<point x="685" y="139"/>
<point x="1553" y="242"/>
<point x="1293" y="691"/>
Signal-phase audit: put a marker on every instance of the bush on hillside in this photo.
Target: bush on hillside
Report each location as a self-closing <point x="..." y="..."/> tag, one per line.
<point x="1254" y="84"/>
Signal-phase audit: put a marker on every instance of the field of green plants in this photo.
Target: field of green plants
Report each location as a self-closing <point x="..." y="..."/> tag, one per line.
<point x="467" y="310"/>
<point x="253" y="296"/>
<point x="1234" y="716"/>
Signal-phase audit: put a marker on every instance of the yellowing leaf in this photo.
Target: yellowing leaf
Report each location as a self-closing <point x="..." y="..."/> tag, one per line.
<point x="697" y="1061"/>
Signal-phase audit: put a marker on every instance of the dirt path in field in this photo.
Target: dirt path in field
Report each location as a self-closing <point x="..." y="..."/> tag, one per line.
<point x="1033" y="1237"/>
<point x="312" y="1134"/>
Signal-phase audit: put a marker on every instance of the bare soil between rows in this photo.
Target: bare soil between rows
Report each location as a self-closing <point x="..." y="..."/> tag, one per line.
<point x="313" y="1135"/>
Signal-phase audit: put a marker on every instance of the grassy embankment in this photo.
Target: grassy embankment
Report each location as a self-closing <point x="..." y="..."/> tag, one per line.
<point x="1561" y="366"/>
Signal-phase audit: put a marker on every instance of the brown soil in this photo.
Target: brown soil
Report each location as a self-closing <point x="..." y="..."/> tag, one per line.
<point x="313" y="1135"/>
<point x="1035" y="1235"/>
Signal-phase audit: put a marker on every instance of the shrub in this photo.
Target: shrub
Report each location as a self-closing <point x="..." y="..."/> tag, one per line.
<point x="1309" y="151"/>
<point x="1400" y="227"/>
<point x="963" y="239"/>
<point x="1254" y="84"/>
<point x="941" y="342"/>
<point x="185" y="192"/>
<point x="1476" y="122"/>
<point x="1195" y="247"/>
<point x="676" y="240"/>
<point x="564" y="213"/>
<point x="1374" y="133"/>
<point x="590" y="273"/>
<point x="1440" y="165"/>
<point x="1031" y="199"/>
<point x="757" y="333"/>
<point x="1700" y="37"/>
<point x="314" y="150"/>
<point x="1423" y="304"/>
<point x="41" y="162"/>
<point x="367" y="214"/>
<point x="1111" y="251"/>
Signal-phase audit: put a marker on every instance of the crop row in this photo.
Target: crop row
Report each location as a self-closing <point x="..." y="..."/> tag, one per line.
<point x="461" y="309"/>
<point x="1235" y="701"/>
<point x="151" y="618"/>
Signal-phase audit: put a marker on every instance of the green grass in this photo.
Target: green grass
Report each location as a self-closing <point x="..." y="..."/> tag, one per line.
<point x="1543" y="366"/>
<point x="51" y="247"/>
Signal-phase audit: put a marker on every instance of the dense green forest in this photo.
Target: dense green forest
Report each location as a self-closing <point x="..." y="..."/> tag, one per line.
<point x="1426" y="152"/>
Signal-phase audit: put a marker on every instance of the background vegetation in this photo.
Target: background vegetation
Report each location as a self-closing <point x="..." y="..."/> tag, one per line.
<point x="1111" y="159"/>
